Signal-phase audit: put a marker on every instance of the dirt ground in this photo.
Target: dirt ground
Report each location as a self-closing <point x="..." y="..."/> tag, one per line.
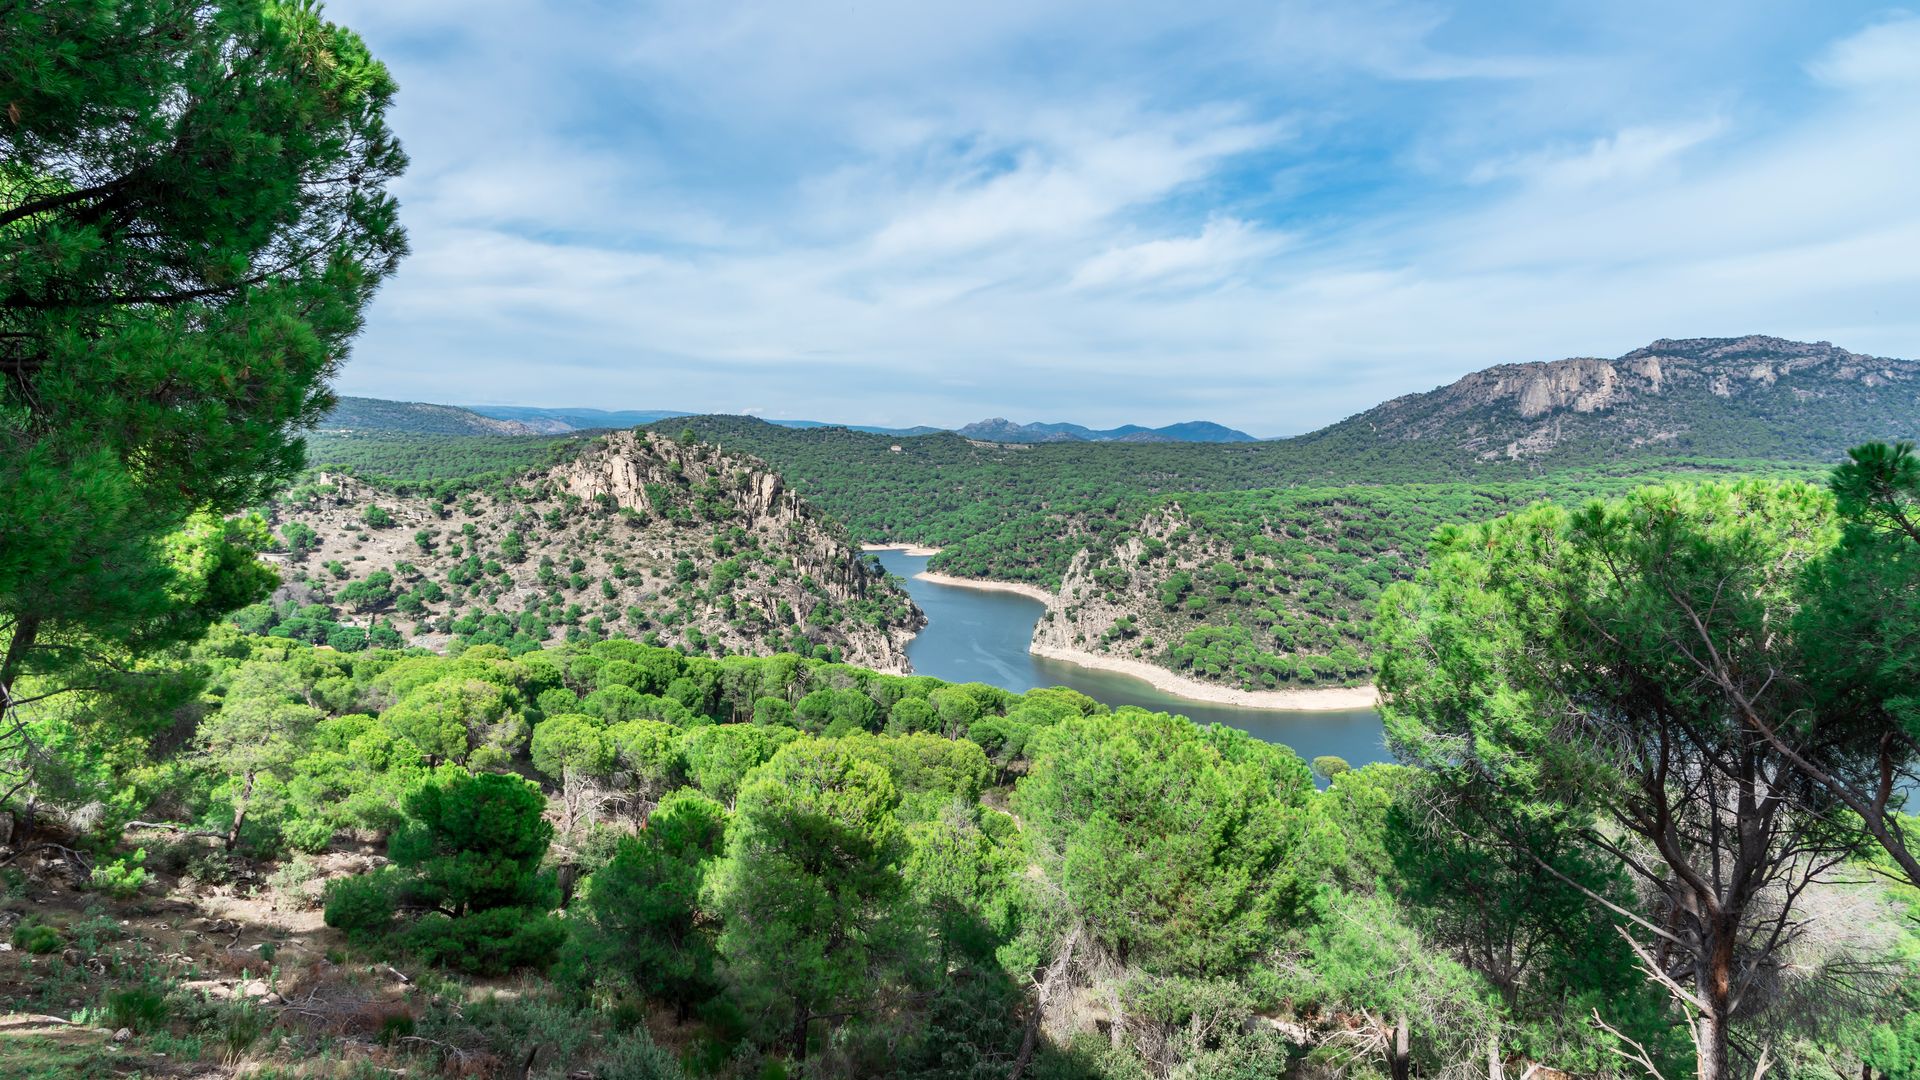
<point x="254" y="981"/>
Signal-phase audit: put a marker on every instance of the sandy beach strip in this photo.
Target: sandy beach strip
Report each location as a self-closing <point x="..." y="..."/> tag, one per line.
<point x="1033" y="591"/>
<point x="1305" y="699"/>
<point x="916" y="550"/>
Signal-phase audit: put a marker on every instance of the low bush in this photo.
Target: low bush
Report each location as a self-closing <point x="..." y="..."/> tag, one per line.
<point x="122" y="878"/>
<point x="491" y="942"/>
<point x="362" y="906"/>
<point x="634" y="1056"/>
<point x="138" y="1008"/>
<point x="238" y="1025"/>
<point x="37" y="938"/>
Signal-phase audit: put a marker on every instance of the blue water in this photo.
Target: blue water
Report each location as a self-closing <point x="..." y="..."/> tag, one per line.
<point x="974" y="635"/>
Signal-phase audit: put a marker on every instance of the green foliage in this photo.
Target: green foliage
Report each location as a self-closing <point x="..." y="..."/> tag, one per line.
<point x="572" y="745"/>
<point x="439" y="466"/>
<point x="719" y="757"/>
<point x="1537" y="647"/>
<point x="123" y="878"/>
<point x="634" y="1056"/>
<point x="360" y="906"/>
<point x="476" y="843"/>
<point x="195" y="216"/>
<point x="140" y="1009"/>
<point x="489" y="942"/>
<point x="37" y="938"/>
<point x="797" y="941"/>
<point x="1184" y="850"/>
<point x="1328" y="766"/>
<point x="647" y="910"/>
<point x="1364" y="958"/>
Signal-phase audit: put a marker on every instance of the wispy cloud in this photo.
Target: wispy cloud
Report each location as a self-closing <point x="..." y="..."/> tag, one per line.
<point x="1886" y="54"/>
<point x="1271" y="217"/>
<point x="1625" y="155"/>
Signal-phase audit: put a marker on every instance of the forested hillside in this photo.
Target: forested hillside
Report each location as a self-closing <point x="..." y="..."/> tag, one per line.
<point x="459" y="768"/>
<point x="1264" y="589"/>
<point x="421" y="418"/>
<point x="1230" y="564"/>
<point x="627" y="534"/>
<point x="435" y="466"/>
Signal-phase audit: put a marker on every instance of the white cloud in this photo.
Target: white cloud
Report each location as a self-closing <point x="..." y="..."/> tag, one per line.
<point x="1627" y="154"/>
<point x="1886" y="54"/>
<point x="1222" y="248"/>
<point x="1109" y="212"/>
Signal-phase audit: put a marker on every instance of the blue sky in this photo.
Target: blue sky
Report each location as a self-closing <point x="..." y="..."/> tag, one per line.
<point x="1270" y="215"/>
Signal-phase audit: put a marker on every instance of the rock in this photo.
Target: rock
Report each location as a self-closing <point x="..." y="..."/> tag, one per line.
<point x="123" y="1035"/>
<point x="255" y="988"/>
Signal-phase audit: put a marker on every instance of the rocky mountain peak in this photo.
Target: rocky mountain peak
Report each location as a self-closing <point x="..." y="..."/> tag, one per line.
<point x="1655" y="394"/>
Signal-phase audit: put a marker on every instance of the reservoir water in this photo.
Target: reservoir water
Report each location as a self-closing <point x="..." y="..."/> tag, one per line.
<point x="975" y="635"/>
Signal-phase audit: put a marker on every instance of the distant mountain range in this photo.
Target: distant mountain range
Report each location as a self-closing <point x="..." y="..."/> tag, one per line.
<point x="412" y="417"/>
<point x="1754" y="396"/>
<point x="1006" y="431"/>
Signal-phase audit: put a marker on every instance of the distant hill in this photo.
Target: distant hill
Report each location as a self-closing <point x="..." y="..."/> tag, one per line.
<point x="1748" y="397"/>
<point x="1002" y="430"/>
<point x="994" y="430"/>
<point x="576" y="419"/>
<point x="420" y="418"/>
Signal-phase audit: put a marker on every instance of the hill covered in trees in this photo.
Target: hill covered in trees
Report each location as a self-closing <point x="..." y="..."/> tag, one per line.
<point x="631" y="534"/>
<point x="1644" y="822"/>
<point x="422" y="418"/>
<point x="1257" y="565"/>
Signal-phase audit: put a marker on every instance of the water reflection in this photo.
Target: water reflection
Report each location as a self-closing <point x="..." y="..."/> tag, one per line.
<point x="977" y="636"/>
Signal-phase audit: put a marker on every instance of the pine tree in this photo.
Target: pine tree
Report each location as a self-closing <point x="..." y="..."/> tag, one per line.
<point x="193" y="216"/>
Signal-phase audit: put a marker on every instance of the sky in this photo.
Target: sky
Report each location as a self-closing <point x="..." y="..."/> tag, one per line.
<point x="1270" y="215"/>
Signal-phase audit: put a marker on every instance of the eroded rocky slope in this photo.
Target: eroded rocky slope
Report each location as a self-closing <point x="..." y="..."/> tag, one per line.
<point x="638" y="535"/>
<point x="1752" y="396"/>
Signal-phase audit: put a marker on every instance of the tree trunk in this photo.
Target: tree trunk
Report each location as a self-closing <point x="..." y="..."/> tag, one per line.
<point x="1710" y="1031"/>
<point x="1710" y="1046"/>
<point x="1400" y="1055"/>
<point x="25" y="629"/>
<point x="240" y="811"/>
<point x="802" y="1020"/>
<point x="1496" y="1068"/>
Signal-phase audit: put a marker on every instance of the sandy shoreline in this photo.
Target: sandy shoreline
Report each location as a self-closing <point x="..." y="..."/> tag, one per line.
<point x="1306" y="699"/>
<point x="917" y="550"/>
<point x="1033" y="591"/>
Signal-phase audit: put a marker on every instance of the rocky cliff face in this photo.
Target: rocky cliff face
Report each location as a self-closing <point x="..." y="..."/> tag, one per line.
<point x="651" y="538"/>
<point x="1724" y="396"/>
<point x="1106" y="601"/>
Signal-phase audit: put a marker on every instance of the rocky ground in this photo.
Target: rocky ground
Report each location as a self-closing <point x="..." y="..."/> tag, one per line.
<point x="222" y="968"/>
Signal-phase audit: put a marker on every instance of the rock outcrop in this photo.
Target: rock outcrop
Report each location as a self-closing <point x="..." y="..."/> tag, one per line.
<point x="637" y="535"/>
<point x="1659" y="394"/>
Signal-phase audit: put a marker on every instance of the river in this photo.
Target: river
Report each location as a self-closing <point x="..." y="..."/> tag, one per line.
<point x="975" y="635"/>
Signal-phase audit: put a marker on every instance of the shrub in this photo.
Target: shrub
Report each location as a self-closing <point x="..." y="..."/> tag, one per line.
<point x="477" y="844"/>
<point x="490" y="942"/>
<point x="290" y="879"/>
<point x="239" y="1024"/>
<point x="360" y="905"/>
<point x="138" y="1008"/>
<point x="37" y="938"/>
<point x="634" y="1056"/>
<point x="122" y="878"/>
<point x="395" y="1025"/>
